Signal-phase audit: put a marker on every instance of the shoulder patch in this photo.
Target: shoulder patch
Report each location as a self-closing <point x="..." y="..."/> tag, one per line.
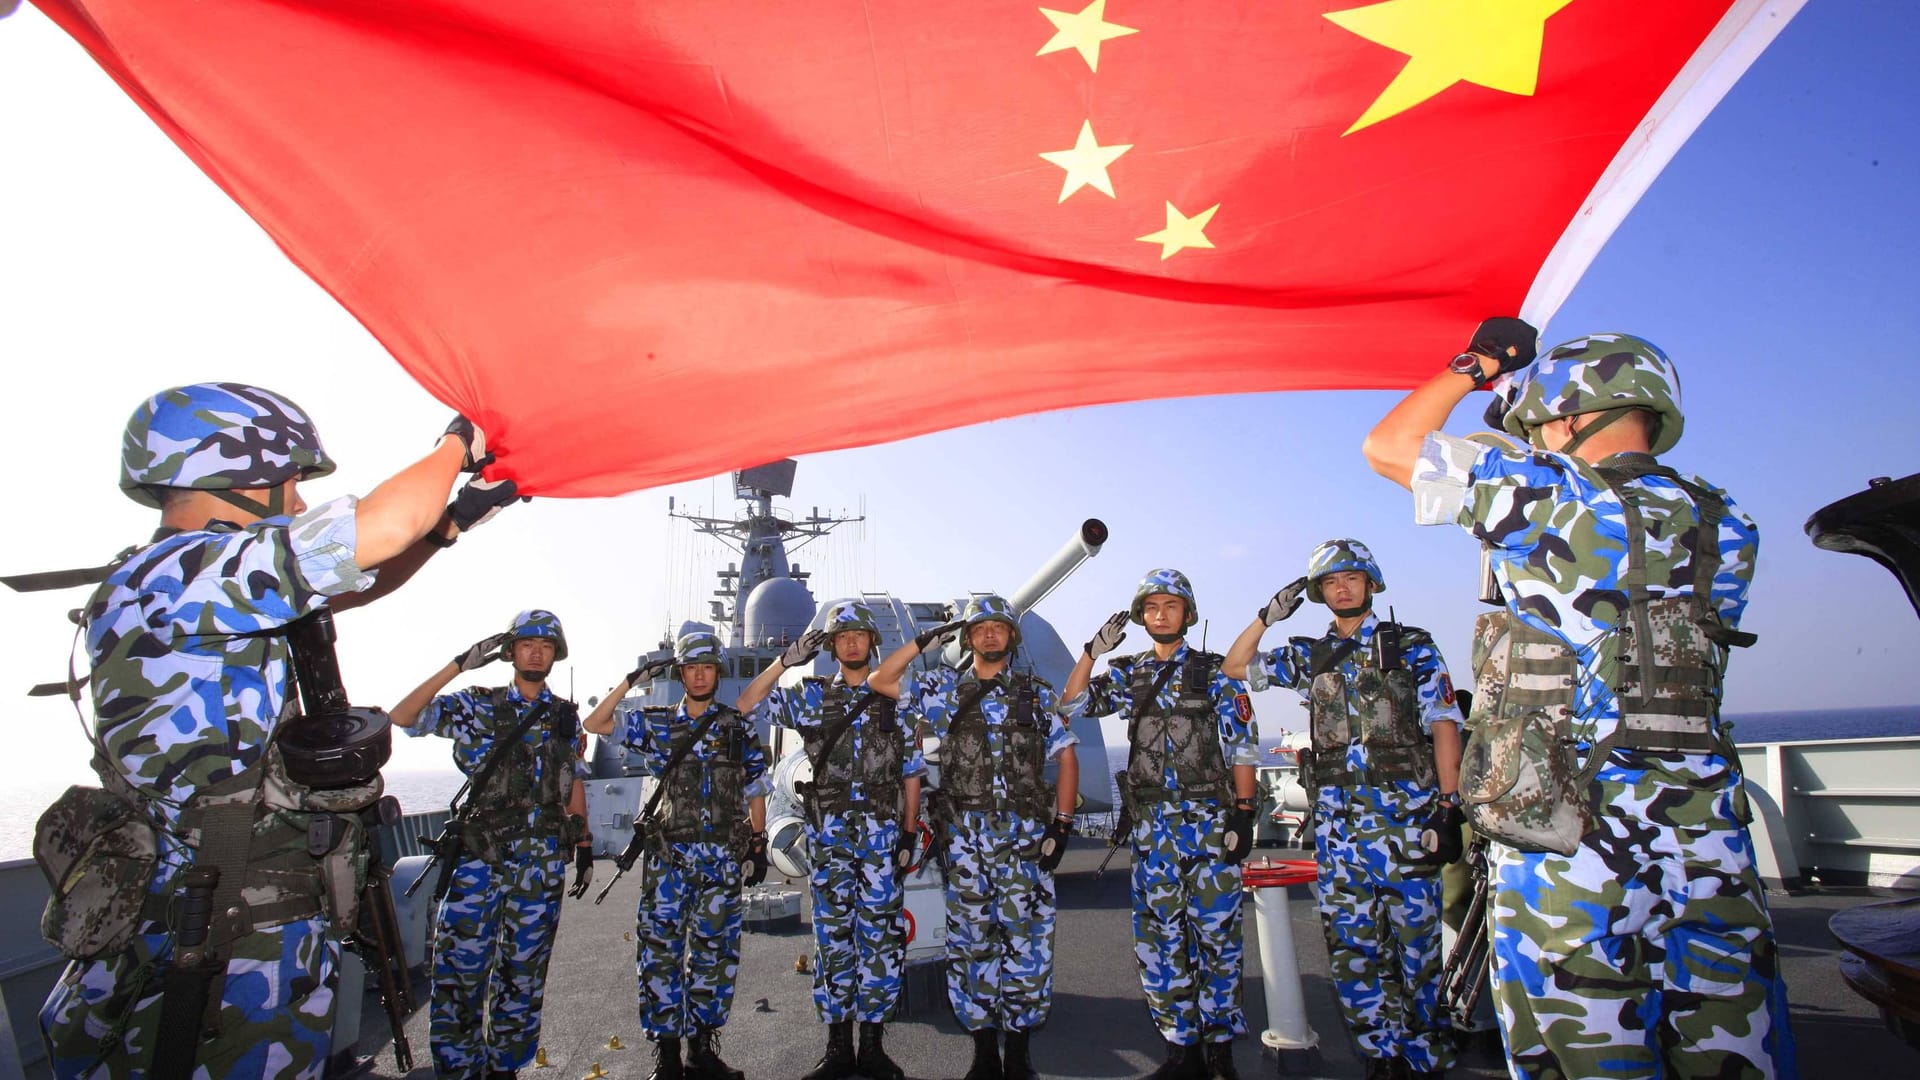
<point x="1243" y="707"/>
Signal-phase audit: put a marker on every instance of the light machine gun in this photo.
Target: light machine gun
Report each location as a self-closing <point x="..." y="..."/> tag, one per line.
<point x="1463" y="977"/>
<point x="1122" y="826"/>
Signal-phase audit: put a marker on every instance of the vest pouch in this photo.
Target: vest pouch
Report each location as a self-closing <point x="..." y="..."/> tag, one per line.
<point x="98" y="853"/>
<point x="1668" y="677"/>
<point x="1327" y="702"/>
<point x="1519" y="780"/>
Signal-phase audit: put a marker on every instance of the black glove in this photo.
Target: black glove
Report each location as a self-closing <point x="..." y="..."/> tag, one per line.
<point x="753" y="868"/>
<point x="1284" y="603"/>
<point x="1237" y="840"/>
<point x="803" y="650"/>
<point x="1508" y="342"/>
<point x="474" y="441"/>
<point x="583" y="871"/>
<point x="478" y="500"/>
<point x="1109" y="636"/>
<point x="649" y="670"/>
<point x="927" y="639"/>
<point x="482" y="652"/>
<point x="1053" y="844"/>
<point x="1441" y="835"/>
<point x="905" y="851"/>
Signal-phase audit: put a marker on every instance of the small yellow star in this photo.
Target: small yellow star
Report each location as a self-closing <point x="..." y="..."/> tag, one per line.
<point x="1083" y="31"/>
<point x="1182" y="231"/>
<point x="1490" y="43"/>
<point x="1087" y="162"/>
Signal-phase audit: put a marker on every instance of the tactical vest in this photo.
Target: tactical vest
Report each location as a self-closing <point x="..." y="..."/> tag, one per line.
<point x="1385" y="708"/>
<point x="706" y="800"/>
<point x="883" y="747"/>
<point x="1520" y="774"/>
<point x="520" y="790"/>
<point x="1191" y="727"/>
<point x="968" y="764"/>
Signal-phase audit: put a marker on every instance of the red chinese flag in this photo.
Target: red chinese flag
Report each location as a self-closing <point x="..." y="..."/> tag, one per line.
<point x="645" y="241"/>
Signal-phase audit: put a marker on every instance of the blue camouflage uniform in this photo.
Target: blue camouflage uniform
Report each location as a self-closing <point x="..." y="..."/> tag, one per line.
<point x="1650" y="946"/>
<point x="1380" y="910"/>
<point x="688" y="922"/>
<point x="1000" y="904"/>
<point x="186" y="697"/>
<point x="495" y="928"/>
<point x="859" y="936"/>
<point x="1186" y="899"/>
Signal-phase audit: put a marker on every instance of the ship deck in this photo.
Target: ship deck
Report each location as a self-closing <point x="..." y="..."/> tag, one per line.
<point x="1099" y="1027"/>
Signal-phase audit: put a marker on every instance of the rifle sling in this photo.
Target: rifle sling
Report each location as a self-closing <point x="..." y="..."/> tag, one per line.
<point x="488" y="767"/>
<point x="1140" y="709"/>
<point x="832" y="738"/>
<point x="673" y="762"/>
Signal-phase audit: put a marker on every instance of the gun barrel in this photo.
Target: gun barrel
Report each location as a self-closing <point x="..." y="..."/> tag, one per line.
<point x="1084" y="544"/>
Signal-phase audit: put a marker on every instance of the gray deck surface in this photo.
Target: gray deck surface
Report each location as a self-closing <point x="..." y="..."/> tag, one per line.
<point x="1099" y="1027"/>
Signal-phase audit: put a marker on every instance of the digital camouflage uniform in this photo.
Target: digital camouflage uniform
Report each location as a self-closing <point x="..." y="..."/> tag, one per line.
<point x="859" y="936"/>
<point x="1649" y="950"/>
<point x="1380" y="911"/>
<point x="494" y="930"/>
<point x="185" y="700"/>
<point x="1000" y="904"/>
<point x="688" y="922"/>
<point x="1186" y="899"/>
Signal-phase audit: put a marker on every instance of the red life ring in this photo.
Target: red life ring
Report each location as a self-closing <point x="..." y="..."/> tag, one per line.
<point x="910" y="925"/>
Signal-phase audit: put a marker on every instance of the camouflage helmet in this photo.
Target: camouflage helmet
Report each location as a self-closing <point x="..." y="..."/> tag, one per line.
<point x="217" y="437"/>
<point x="852" y="615"/>
<point x="1594" y="374"/>
<point x="1337" y="555"/>
<point x="699" y="647"/>
<point x="536" y="623"/>
<point x="1169" y="583"/>
<point x="989" y="608"/>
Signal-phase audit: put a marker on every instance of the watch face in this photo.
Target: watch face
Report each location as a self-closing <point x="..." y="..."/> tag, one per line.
<point x="1466" y="364"/>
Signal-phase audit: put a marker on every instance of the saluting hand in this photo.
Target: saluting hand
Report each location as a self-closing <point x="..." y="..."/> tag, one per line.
<point x="1284" y="603"/>
<point x="482" y="652"/>
<point x="803" y="650"/>
<point x="927" y="639"/>
<point x="1109" y="636"/>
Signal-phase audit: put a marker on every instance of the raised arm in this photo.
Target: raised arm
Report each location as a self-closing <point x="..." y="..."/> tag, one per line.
<point x="886" y="678"/>
<point x="474" y="657"/>
<point x="1393" y="446"/>
<point x="795" y="654"/>
<point x="1282" y="606"/>
<point x="600" y="720"/>
<point x="1104" y="640"/>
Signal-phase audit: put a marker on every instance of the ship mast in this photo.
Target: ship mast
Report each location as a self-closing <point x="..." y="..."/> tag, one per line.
<point x="762" y="535"/>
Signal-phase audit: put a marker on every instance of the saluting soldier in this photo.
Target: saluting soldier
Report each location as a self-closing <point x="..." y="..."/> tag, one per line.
<point x="1384" y="773"/>
<point x="998" y="728"/>
<point x="191" y="684"/>
<point x="525" y="821"/>
<point x="1630" y="931"/>
<point x="1189" y="784"/>
<point x="709" y="840"/>
<point x="863" y="813"/>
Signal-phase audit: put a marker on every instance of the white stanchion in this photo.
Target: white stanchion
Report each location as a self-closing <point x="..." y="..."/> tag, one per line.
<point x="1287" y="1027"/>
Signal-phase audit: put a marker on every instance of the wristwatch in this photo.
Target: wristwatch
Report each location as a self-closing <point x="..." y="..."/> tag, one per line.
<point x="1468" y="364"/>
<point x="1450" y="798"/>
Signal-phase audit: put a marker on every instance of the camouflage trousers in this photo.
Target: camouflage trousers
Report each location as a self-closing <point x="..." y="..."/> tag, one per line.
<point x="1649" y="951"/>
<point x="1000" y="910"/>
<point x="1186" y="924"/>
<point x="688" y="934"/>
<point x="493" y="936"/>
<point x="276" y="1009"/>
<point x="859" y="936"/>
<point x="1382" y="920"/>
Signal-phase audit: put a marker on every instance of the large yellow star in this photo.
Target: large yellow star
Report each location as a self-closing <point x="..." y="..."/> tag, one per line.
<point x="1490" y="43"/>
<point x="1083" y="31"/>
<point x="1087" y="162"/>
<point x="1182" y="231"/>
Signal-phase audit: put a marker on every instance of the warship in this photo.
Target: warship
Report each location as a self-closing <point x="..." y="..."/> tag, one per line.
<point x="1837" y="836"/>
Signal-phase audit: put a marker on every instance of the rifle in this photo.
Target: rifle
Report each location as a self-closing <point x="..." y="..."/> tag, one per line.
<point x="1464" y="974"/>
<point x="376" y="933"/>
<point x="447" y="847"/>
<point x="646" y="828"/>
<point x="938" y="818"/>
<point x="1122" y="825"/>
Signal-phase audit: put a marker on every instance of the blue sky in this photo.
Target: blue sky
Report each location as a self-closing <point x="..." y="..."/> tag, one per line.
<point x="1775" y="260"/>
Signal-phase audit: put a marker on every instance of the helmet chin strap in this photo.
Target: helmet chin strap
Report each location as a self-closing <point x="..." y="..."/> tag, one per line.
<point x="1578" y="438"/>
<point x="1350" y="612"/>
<point x="275" y="505"/>
<point x="859" y="664"/>
<point x="1167" y="639"/>
<point x="702" y="698"/>
<point x="995" y="656"/>
<point x="531" y="676"/>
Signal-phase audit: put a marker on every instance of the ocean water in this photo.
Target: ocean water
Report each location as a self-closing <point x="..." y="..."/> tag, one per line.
<point x="431" y="789"/>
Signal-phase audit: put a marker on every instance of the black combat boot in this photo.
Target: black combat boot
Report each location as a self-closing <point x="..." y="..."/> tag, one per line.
<point x="1183" y="1063"/>
<point x="986" y="1056"/>
<point x="1016" y="1065"/>
<point x="1220" y="1061"/>
<point x="874" y="1063"/>
<point x="703" y="1058"/>
<point x="666" y="1059"/>
<point x="837" y="1062"/>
